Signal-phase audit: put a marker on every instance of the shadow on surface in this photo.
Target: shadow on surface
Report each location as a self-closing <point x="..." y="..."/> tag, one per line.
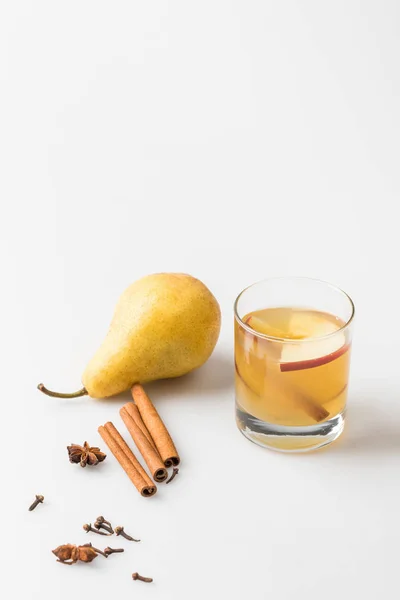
<point x="215" y="376"/>
<point x="371" y="428"/>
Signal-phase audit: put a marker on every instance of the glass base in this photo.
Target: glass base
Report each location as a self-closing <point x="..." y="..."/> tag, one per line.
<point x="289" y="439"/>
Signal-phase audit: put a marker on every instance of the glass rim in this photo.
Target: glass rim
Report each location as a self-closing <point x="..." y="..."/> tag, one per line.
<point x="288" y="340"/>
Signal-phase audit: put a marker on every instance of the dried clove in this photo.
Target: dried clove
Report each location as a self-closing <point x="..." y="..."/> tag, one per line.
<point x="136" y="576"/>
<point x="100" y="523"/>
<point x="88" y="527"/>
<point x="85" y="455"/>
<point x="120" y="531"/>
<point x="103" y="520"/>
<point x="39" y="500"/>
<point x="175" y="472"/>
<point x="108" y="550"/>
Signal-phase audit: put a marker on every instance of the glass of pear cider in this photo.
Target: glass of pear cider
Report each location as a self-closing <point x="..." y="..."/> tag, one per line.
<point x="292" y="359"/>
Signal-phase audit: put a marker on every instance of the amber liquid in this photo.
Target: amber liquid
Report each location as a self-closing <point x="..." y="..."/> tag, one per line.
<point x="296" y="372"/>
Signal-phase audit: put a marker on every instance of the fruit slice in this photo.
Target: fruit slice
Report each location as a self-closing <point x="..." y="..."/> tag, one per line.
<point x="251" y="363"/>
<point x="305" y="324"/>
<point x="262" y="326"/>
<point x="312" y="353"/>
<point x="251" y="402"/>
<point x="323" y="379"/>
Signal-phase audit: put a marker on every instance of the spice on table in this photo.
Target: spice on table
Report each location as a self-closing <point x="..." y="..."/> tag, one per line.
<point x="101" y="519"/>
<point x="108" y="550"/>
<point x="68" y="554"/>
<point x="88" y="527"/>
<point x="135" y="414"/>
<point x="147" y="449"/>
<point x="120" y="531"/>
<point x="95" y="549"/>
<point x="155" y="427"/>
<point x="127" y="460"/>
<point x="100" y="524"/>
<point x="85" y="455"/>
<point x="175" y="472"/>
<point x="39" y="499"/>
<point x="136" y="576"/>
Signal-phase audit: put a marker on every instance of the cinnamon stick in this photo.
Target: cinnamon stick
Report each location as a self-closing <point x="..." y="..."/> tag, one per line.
<point x="135" y="415"/>
<point x="314" y="410"/>
<point x="147" y="449"/>
<point x="156" y="427"/>
<point x="127" y="460"/>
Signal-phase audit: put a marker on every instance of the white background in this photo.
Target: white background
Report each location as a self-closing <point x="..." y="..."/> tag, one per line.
<point x="234" y="141"/>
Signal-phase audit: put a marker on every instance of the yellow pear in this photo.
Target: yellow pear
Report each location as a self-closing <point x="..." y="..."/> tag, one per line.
<point x="164" y="325"/>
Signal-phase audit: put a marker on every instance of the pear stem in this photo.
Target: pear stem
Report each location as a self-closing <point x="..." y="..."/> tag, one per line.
<point x="78" y="394"/>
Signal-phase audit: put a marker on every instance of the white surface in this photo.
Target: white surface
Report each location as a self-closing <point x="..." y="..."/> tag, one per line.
<point x="233" y="141"/>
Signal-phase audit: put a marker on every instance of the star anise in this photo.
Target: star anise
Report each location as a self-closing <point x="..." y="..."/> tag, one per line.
<point x="85" y="455"/>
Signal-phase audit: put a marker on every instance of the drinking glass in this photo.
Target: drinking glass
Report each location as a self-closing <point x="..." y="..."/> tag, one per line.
<point x="292" y="358"/>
